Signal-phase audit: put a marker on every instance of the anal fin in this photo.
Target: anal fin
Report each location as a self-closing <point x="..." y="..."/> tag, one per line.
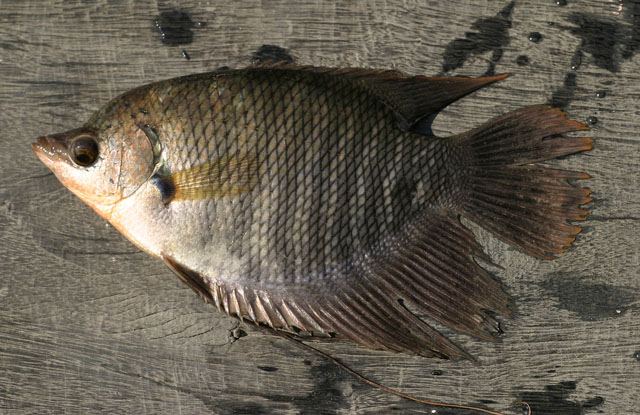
<point x="429" y="266"/>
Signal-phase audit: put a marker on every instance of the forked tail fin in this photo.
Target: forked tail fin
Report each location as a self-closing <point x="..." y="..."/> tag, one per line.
<point x="523" y="203"/>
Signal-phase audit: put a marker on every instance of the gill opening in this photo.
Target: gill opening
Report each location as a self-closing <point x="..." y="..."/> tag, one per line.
<point x="158" y="157"/>
<point x="156" y="147"/>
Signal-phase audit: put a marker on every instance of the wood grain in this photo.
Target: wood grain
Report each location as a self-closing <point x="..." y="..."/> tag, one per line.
<point x="88" y="324"/>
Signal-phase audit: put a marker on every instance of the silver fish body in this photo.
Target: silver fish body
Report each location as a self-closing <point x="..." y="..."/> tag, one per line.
<point x="313" y="199"/>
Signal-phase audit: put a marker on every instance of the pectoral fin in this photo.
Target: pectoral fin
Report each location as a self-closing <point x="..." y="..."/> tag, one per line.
<point x="226" y="176"/>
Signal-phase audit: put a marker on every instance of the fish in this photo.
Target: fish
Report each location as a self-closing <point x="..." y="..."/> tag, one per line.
<point x="318" y="201"/>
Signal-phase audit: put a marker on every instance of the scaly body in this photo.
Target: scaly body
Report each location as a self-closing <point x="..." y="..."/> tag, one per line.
<point x="333" y="175"/>
<point x="313" y="199"/>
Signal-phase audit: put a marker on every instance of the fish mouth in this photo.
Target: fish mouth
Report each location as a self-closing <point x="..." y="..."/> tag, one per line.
<point x="48" y="149"/>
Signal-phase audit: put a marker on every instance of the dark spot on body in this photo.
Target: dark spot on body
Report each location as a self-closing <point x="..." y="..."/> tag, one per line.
<point x="271" y="54"/>
<point x="143" y="111"/>
<point x="522" y="60"/>
<point x="535" y="37"/>
<point x="175" y="27"/>
<point x="490" y="35"/>
<point x="166" y="187"/>
<point x="307" y="362"/>
<point x="268" y="368"/>
<point x="592" y="120"/>
<point x="185" y="54"/>
<point x="601" y="94"/>
<point x="437" y="372"/>
<point x="589" y="300"/>
<point x="556" y="400"/>
<point x="402" y="195"/>
<point x="561" y="3"/>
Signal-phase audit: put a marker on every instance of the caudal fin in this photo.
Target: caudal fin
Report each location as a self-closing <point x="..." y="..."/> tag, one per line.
<point x="525" y="204"/>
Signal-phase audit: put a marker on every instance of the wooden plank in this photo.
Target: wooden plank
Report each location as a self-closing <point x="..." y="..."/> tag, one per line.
<point x="89" y="324"/>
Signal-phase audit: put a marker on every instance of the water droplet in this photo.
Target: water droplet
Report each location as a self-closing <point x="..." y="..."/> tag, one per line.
<point x="636" y="355"/>
<point x="601" y="94"/>
<point x="185" y="55"/>
<point x="561" y="2"/>
<point x="592" y="120"/>
<point x="522" y="60"/>
<point x="535" y="37"/>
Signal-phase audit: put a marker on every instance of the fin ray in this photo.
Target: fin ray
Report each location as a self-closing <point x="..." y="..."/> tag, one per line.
<point x="227" y="176"/>
<point x="192" y="279"/>
<point x="436" y="276"/>
<point x="525" y="204"/>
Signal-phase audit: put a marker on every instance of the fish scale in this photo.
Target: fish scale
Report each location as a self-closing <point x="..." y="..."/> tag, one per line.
<point x="316" y="200"/>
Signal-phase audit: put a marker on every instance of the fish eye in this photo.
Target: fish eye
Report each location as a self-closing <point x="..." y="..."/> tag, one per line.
<point x="84" y="151"/>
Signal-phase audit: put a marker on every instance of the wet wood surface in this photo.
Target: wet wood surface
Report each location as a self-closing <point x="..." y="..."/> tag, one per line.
<point x="88" y="324"/>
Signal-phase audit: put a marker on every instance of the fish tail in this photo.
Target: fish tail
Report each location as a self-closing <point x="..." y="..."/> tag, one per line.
<point x="525" y="204"/>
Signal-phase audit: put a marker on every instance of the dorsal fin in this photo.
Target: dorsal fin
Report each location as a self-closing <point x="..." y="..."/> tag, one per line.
<point x="411" y="98"/>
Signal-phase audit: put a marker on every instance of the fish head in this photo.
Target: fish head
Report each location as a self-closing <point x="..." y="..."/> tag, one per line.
<point x="102" y="166"/>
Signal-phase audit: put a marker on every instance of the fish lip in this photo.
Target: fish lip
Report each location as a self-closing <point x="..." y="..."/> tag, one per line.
<point x="41" y="149"/>
<point x="48" y="149"/>
<point x="40" y="146"/>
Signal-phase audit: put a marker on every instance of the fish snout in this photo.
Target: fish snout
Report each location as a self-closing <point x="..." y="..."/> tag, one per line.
<point x="49" y="148"/>
<point x="41" y="146"/>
